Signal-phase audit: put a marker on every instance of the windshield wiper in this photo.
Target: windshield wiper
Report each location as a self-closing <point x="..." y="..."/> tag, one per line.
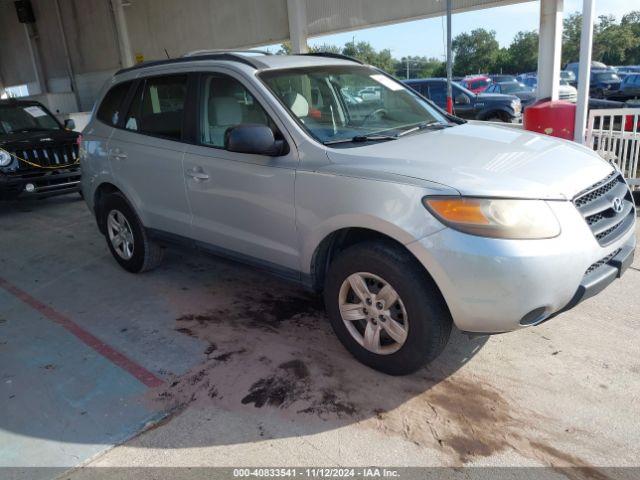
<point x="361" y="139"/>
<point x="423" y="126"/>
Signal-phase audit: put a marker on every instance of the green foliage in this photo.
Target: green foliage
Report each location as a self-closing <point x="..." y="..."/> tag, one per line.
<point x="613" y="43"/>
<point x="522" y="54"/>
<point x="419" y="67"/>
<point x="475" y="52"/>
<point x="478" y="51"/>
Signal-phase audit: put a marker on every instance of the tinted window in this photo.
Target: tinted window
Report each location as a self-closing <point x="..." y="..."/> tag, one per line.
<point x="109" y="111"/>
<point x="225" y="104"/>
<point x="438" y="94"/>
<point x="157" y="107"/>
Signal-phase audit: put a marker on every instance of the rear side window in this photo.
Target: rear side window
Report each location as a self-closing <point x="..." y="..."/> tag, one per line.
<point x="157" y="107"/>
<point x="109" y="111"/>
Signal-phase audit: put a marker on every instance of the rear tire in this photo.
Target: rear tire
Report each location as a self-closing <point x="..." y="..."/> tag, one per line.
<point x="126" y="237"/>
<point x="421" y="316"/>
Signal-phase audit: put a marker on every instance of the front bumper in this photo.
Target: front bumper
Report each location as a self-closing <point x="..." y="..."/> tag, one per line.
<point x="496" y="285"/>
<point x="45" y="183"/>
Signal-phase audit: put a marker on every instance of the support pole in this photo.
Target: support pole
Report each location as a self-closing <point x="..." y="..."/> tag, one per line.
<point x="550" y="48"/>
<point x="34" y="53"/>
<point x="126" y="57"/>
<point x="449" y="61"/>
<point x="297" y="13"/>
<point x="67" y="56"/>
<point x="584" y="69"/>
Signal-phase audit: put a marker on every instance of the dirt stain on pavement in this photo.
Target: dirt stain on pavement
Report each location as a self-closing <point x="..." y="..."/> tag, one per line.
<point x="275" y="350"/>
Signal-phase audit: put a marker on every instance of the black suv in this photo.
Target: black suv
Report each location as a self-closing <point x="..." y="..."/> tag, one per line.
<point x="38" y="155"/>
<point x="481" y="106"/>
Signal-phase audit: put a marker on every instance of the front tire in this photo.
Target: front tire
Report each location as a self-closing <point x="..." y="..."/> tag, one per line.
<point x="126" y="237"/>
<point x="385" y="309"/>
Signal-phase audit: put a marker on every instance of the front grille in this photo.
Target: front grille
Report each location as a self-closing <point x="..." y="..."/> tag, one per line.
<point x="598" y="203"/>
<point x="47" y="156"/>
<point x="601" y="262"/>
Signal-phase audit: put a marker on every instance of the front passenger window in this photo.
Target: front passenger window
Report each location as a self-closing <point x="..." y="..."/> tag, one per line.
<point x="157" y="107"/>
<point x="226" y="103"/>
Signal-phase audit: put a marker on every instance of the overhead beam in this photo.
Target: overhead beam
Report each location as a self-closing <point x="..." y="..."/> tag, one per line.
<point x="550" y="48"/>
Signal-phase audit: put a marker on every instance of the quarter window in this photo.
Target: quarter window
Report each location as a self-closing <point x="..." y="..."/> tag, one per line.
<point x="157" y="107"/>
<point x="109" y="111"/>
<point x="226" y="103"/>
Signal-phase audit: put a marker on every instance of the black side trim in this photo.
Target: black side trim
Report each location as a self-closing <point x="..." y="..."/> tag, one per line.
<point x="229" y="57"/>
<point x="271" y="268"/>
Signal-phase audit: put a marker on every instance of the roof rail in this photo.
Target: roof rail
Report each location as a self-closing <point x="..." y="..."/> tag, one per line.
<point x="230" y="57"/>
<point x="195" y="53"/>
<point x="333" y="55"/>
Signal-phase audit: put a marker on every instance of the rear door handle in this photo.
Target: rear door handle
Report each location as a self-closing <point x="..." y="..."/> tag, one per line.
<point x="197" y="175"/>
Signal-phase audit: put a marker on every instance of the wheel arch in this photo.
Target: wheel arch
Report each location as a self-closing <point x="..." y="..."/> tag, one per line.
<point x="338" y="240"/>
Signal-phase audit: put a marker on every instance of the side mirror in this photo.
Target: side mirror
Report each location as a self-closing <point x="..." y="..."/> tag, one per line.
<point x="462" y="99"/>
<point x="69" y="124"/>
<point x="253" y="138"/>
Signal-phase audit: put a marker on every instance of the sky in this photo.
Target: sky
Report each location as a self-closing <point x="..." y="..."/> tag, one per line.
<point x="426" y="37"/>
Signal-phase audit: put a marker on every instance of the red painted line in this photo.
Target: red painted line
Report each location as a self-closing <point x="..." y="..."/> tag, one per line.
<point x="110" y="353"/>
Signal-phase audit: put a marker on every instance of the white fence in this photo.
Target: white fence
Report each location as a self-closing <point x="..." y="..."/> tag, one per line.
<point x="615" y="134"/>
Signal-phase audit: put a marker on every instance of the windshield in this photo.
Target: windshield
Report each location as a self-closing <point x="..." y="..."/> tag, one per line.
<point x="604" y="76"/>
<point x="335" y="103"/>
<point x="514" y="87"/>
<point x="25" y="118"/>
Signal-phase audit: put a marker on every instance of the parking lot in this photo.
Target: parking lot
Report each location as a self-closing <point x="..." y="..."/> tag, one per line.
<point x="205" y="362"/>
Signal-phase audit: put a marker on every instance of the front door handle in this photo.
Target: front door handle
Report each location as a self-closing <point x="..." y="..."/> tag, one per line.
<point x="197" y="175"/>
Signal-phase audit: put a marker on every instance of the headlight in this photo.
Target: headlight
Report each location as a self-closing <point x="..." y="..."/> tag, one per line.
<point x="497" y="218"/>
<point x="5" y="158"/>
<point x="516" y="105"/>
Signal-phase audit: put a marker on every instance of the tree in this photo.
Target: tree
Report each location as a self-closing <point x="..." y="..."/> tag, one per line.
<point x="631" y="21"/>
<point x="523" y="53"/>
<point x="419" y="67"/>
<point x="612" y="41"/>
<point x="365" y="52"/>
<point x="325" y="47"/>
<point x="475" y="52"/>
<point x="572" y="27"/>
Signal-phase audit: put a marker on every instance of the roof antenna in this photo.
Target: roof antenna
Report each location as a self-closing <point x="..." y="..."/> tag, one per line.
<point x="167" y="53"/>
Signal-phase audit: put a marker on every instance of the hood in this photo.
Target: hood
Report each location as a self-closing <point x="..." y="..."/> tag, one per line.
<point x="495" y="97"/>
<point x="28" y="140"/>
<point x="483" y="160"/>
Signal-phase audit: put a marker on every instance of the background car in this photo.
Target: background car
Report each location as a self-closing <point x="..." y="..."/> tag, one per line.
<point x="482" y="106"/>
<point x="38" y="154"/>
<point x="369" y="94"/>
<point x="565" y="91"/>
<point x="526" y="95"/>
<point x="569" y="77"/>
<point x="476" y="83"/>
<point x="603" y="83"/>
<point x="630" y="86"/>
<point x="500" y="78"/>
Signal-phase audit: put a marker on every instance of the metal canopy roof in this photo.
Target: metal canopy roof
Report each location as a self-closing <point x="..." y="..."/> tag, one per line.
<point x="193" y="24"/>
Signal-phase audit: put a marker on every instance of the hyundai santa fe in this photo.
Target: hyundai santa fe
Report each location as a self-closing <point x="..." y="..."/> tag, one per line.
<point x="407" y="219"/>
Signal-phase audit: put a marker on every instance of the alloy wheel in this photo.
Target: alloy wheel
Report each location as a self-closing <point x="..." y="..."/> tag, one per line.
<point x="120" y="234"/>
<point x="373" y="313"/>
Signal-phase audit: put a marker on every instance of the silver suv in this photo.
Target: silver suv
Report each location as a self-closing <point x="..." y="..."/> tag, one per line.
<point x="408" y="219"/>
